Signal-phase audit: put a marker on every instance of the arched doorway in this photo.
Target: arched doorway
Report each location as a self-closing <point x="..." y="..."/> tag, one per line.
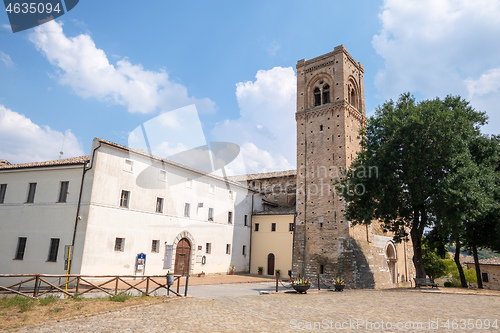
<point x="270" y="264"/>
<point x="392" y="261"/>
<point x="182" y="256"/>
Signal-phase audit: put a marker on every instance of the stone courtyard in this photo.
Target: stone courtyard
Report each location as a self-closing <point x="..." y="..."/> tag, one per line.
<point x="406" y="310"/>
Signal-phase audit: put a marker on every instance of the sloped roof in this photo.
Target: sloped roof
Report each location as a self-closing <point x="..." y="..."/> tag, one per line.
<point x="254" y="176"/>
<point x="65" y="161"/>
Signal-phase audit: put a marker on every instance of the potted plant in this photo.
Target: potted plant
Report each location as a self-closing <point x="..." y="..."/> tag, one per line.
<point x="278" y="272"/>
<point x="170" y="278"/>
<point x="231" y="270"/>
<point x="202" y="274"/>
<point x="339" y="284"/>
<point x="301" y="285"/>
<point x="260" y="270"/>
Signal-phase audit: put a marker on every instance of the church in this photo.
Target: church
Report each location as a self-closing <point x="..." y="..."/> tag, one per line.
<point x="122" y="211"/>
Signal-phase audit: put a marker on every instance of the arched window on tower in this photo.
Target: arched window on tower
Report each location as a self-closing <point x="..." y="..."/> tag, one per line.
<point x="317" y="97"/>
<point x="326" y="94"/>
<point x="352" y="95"/>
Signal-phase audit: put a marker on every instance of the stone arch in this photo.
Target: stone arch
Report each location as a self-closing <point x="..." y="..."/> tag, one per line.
<point x="353" y="93"/>
<point x="392" y="260"/>
<point x="316" y="85"/>
<point x="190" y="238"/>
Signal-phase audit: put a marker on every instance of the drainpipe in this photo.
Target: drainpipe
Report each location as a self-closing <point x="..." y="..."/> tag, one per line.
<point x="79" y="204"/>
<point x="250" y="247"/>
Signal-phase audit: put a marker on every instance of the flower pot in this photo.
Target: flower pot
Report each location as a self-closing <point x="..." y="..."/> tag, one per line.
<point x="300" y="288"/>
<point x="231" y="272"/>
<point x="339" y="287"/>
<point x="260" y="272"/>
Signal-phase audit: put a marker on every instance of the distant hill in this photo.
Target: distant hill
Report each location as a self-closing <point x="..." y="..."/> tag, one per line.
<point x="482" y="254"/>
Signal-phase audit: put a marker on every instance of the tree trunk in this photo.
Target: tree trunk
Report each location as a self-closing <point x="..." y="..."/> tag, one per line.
<point x="478" y="269"/>
<point x="459" y="266"/>
<point x="417" y="254"/>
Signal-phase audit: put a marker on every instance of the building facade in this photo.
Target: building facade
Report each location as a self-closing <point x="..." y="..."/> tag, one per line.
<point x="330" y="113"/>
<point x="116" y="206"/>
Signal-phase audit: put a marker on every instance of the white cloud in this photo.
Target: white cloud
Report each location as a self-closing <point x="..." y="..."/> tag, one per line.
<point x="436" y="47"/>
<point x="5" y="58"/>
<point x="87" y="70"/>
<point x="266" y="127"/>
<point x="23" y="141"/>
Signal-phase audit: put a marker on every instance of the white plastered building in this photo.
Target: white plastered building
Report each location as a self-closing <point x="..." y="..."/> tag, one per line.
<point x="119" y="203"/>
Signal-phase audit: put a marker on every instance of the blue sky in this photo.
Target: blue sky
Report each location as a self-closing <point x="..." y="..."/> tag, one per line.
<point x="106" y="67"/>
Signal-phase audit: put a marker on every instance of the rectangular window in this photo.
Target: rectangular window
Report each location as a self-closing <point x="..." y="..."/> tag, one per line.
<point x="54" y="247"/>
<point x="273" y="226"/>
<point x="155" y="246"/>
<point x="210" y="214"/>
<point x="128" y="166"/>
<point x="119" y="244"/>
<point x="484" y="277"/>
<point x="63" y="192"/>
<point x="3" y="189"/>
<point x="244" y="250"/>
<point x="290" y="227"/>
<point x="124" y="199"/>
<point x="187" y="210"/>
<point x="31" y="193"/>
<point x="21" y="245"/>
<point x="208" y="248"/>
<point x="229" y="217"/>
<point x="211" y="189"/>
<point x="228" y="248"/>
<point x="159" y="205"/>
<point x="256" y="227"/>
<point x="245" y="221"/>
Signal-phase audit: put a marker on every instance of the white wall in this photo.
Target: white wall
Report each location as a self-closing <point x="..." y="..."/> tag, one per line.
<point x="39" y="221"/>
<point x="139" y="224"/>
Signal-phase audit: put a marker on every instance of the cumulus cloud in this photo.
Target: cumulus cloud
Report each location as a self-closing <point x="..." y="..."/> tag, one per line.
<point x="23" y="141"/>
<point x="88" y="71"/>
<point x="439" y="47"/>
<point x="265" y="129"/>
<point x="5" y="58"/>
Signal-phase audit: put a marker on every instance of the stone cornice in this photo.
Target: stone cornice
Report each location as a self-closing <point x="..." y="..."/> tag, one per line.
<point x="331" y="107"/>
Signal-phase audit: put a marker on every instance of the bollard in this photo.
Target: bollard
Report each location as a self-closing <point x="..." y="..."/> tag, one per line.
<point x="186" y="288"/>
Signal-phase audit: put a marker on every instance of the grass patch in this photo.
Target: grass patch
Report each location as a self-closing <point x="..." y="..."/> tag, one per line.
<point x="120" y="297"/>
<point x="23" y="303"/>
<point x="48" y="300"/>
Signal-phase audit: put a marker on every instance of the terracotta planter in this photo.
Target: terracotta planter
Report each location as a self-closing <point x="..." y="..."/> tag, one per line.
<point x="301" y="289"/>
<point x="231" y="272"/>
<point x="259" y="272"/>
<point x="339" y="287"/>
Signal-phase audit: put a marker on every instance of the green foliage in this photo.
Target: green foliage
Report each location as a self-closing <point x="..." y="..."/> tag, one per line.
<point x="448" y="284"/>
<point x="451" y="266"/>
<point x="56" y="310"/>
<point x="434" y="265"/>
<point x="399" y="177"/>
<point x="49" y="299"/>
<point x="120" y="297"/>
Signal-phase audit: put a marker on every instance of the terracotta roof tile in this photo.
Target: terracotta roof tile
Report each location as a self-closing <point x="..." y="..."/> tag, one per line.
<point x="64" y="161"/>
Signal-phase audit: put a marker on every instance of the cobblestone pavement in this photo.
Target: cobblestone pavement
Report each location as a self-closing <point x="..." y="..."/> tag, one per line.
<point x="354" y="310"/>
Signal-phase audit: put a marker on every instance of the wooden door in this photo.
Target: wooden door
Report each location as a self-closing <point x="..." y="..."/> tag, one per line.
<point x="270" y="264"/>
<point x="182" y="255"/>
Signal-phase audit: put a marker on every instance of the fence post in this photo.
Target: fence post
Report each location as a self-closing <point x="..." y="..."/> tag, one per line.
<point x="186" y="288"/>
<point x="277" y="277"/>
<point x="147" y="286"/>
<point x="178" y="284"/>
<point x="35" y="290"/>
<point x="116" y="285"/>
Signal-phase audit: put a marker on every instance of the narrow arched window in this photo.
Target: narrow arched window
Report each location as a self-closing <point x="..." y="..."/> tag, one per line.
<point x="326" y="94"/>
<point x="317" y="97"/>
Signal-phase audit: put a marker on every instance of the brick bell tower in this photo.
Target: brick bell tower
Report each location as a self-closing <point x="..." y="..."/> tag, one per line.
<point x="330" y="112"/>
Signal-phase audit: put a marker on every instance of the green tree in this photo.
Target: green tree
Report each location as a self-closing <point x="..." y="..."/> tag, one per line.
<point x="434" y="265"/>
<point x="413" y="146"/>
